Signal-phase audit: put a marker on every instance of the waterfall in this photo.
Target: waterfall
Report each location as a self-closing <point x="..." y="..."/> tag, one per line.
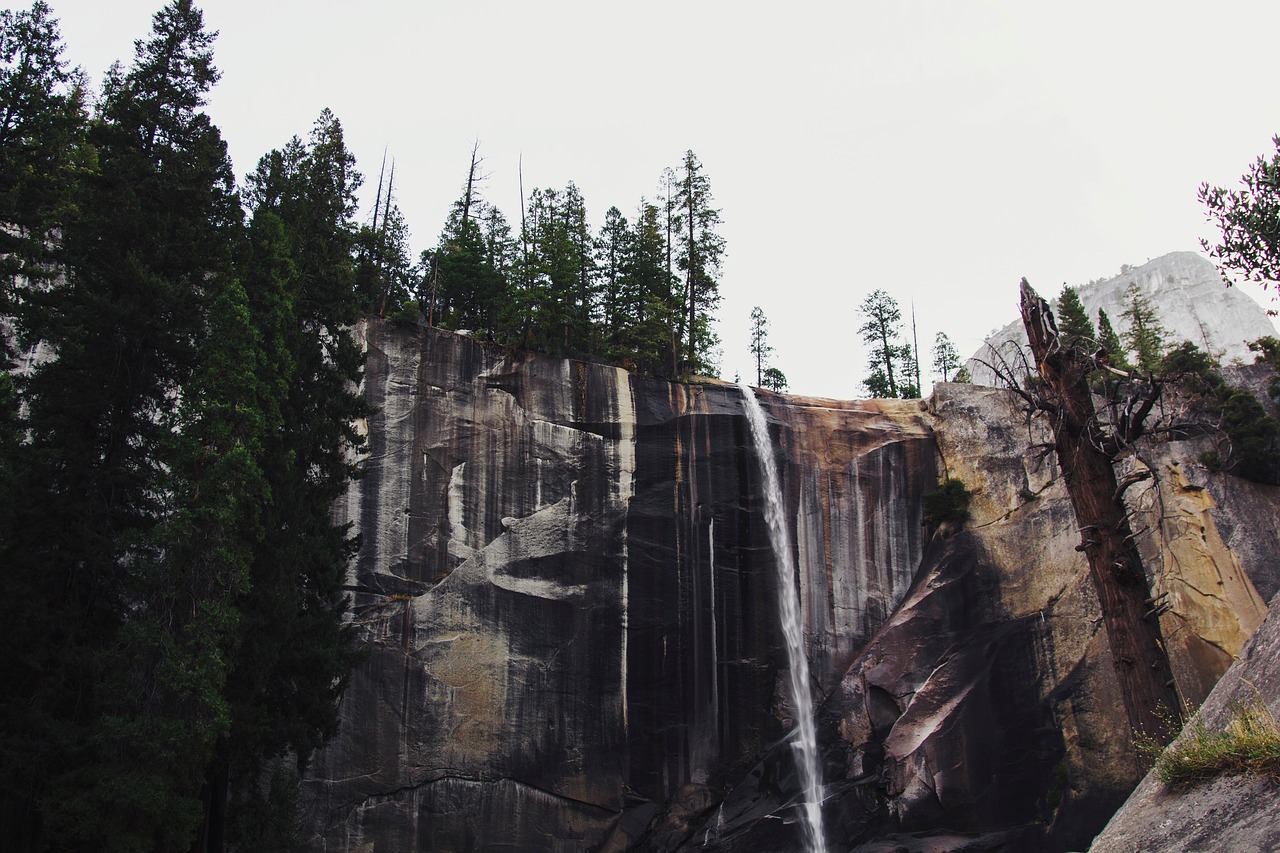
<point x="804" y="740"/>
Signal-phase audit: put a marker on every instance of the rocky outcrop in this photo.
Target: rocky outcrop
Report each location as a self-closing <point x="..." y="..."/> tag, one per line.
<point x="567" y="593"/>
<point x="1237" y="812"/>
<point x="1191" y="299"/>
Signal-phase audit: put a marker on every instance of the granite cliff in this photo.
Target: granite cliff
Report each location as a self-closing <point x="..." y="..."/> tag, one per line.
<point x="1192" y="303"/>
<point x="566" y="590"/>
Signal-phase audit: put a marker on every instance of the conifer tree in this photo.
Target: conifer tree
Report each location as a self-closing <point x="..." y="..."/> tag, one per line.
<point x="154" y="235"/>
<point x="910" y="369"/>
<point x="1145" y="337"/>
<point x="283" y="687"/>
<point x="1075" y="328"/>
<point x="384" y="271"/>
<point x="467" y="290"/>
<point x="881" y="331"/>
<point x="559" y="275"/>
<point x="945" y="358"/>
<point x="650" y="323"/>
<point x="613" y="246"/>
<point x="699" y="252"/>
<point x="42" y="135"/>
<point x="1110" y="344"/>
<point x="759" y="343"/>
<point x="774" y="379"/>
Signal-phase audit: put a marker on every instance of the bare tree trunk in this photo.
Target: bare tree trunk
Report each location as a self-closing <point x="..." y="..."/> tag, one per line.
<point x="1133" y="630"/>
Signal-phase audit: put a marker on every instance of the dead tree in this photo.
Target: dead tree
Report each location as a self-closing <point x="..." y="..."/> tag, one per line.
<point x="1088" y="446"/>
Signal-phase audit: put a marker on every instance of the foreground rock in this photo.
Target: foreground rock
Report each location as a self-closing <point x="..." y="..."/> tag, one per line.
<point x="1228" y="813"/>
<point x="566" y="590"/>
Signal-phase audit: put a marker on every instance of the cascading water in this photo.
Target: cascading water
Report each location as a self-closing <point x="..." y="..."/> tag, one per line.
<point x="805" y="740"/>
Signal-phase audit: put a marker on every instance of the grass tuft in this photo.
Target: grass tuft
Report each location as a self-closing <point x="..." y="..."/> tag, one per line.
<point x="1250" y="743"/>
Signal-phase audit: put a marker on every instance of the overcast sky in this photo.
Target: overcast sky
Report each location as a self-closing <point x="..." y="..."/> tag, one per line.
<point x="939" y="150"/>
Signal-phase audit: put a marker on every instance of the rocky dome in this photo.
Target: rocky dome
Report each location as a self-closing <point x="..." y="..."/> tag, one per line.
<point x="1186" y="290"/>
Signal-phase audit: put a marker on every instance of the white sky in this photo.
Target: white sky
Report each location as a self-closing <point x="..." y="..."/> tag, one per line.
<point x="940" y="150"/>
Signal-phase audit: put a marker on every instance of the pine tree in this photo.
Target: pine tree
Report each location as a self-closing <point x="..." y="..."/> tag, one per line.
<point x="1075" y="328"/>
<point x="42" y="135"/>
<point x="699" y="251"/>
<point x="650" y="325"/>
<point x="910" y="369"/>
<point x="617" y="300"/>
<point x="881" y="330"/>
<point x="1109" y="342"/>
<point x="384" y="271"/>
<point x="467" y="290"/>
<point x="945" y="358"/>
<point x="284" y="686"/>
<point x="558" y="275"/>
<point x="581" y="269"/>
<point x="759" y="343"/>
<point x="154" y="235"/>
<point x="1145" y="337"/>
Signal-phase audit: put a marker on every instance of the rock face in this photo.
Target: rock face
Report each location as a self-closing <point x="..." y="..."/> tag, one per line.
<point x="1189" y="295"/>
<point x="1228" y="813"/>
<point x="566" y="590"/>
<point x="567" y="593"/>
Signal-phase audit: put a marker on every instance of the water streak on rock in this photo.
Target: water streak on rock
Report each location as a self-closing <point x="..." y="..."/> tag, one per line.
<point x="805" y="735"/>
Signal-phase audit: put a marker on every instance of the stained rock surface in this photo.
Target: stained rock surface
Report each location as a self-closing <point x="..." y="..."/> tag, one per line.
<point x="567" y="592"/>
<point x="568" y="597"/>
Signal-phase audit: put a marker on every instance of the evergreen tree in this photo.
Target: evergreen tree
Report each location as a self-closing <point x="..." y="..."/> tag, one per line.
<point x="759" y="344"/>
<point x="774" y="379"/>
<point x="467" y="290"/>
<point x="1145" y="337"/>
<point x="580" y="264"/>
<point x="500" y="259"/>
<point x="613" y="246"/>
<point x="152" y="240"/>
<point x="1073" y="322"/>
<point x="910" y="369"/>
<point x="384" y="271"/>
<point x="651" y="296"/>
<point x="945" y="358"/>
<point x="558" y="275"/>
<point x="42" y="135"/>
<point x="889" y="358"/>
<point x="284" y="686"/>
<point x="699" y="251"/>
<point x="1109" y="343"/>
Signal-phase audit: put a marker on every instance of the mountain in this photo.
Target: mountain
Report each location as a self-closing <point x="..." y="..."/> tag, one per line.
<point x="1187" y="291"/>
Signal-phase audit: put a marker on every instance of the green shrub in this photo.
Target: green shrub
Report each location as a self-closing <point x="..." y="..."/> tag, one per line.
<point x="405" y="315"/>
<point x="948" y="503"/>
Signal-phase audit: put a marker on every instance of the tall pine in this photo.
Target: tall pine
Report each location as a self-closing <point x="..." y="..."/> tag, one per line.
<point x="283" y="687"/>
<point x="699" y="252"/>
<point x="152" y="240"/>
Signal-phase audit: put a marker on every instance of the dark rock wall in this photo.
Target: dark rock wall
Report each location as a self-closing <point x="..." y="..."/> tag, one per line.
<point x="568" y="593"/>
<point x="568" y="597"/>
